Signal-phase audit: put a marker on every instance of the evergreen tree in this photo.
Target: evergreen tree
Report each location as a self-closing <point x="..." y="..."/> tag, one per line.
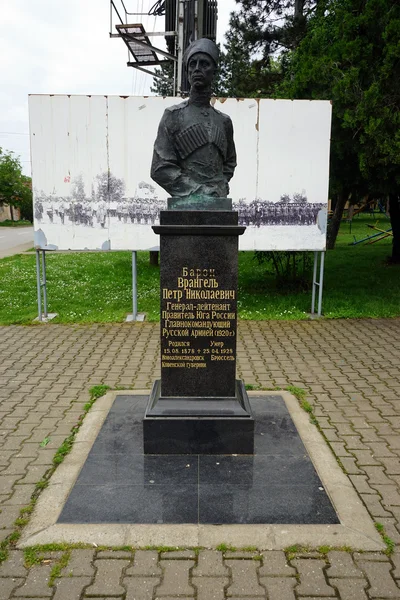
<point x="261" y="35"/>
<point x="240" y="75"/>
<point x="267" y="26"/>
<point x="161" y="87"/>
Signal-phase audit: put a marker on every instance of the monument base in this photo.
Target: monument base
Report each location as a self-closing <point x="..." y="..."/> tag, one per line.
<point x="174" y="425"/>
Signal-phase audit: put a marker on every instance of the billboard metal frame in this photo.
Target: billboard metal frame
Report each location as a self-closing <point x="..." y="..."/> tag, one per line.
<point x="41" y="283"/>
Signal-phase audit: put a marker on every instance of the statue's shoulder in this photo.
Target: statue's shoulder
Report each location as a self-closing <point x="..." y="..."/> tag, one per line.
<point x="225" y="119"/>
<point x="222" y="115"/>
<point x="176" y="107"/>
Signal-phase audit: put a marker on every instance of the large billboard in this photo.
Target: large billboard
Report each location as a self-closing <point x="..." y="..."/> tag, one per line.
<point x="91" y="158"/>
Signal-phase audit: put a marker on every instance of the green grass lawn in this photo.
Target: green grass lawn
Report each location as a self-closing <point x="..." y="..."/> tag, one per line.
<point x="97" y="287"/>
<point x="9" y="223"/>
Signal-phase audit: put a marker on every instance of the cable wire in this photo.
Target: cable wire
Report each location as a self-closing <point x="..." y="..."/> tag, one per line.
<point x="158" y="9"/>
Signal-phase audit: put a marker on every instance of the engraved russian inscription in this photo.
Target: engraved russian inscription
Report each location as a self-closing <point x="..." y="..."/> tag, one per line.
<point x="196" y="313"/>
<point x="198" y="320"/>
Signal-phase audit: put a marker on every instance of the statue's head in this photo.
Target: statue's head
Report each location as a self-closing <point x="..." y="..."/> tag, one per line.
<point x="201" y="61"/>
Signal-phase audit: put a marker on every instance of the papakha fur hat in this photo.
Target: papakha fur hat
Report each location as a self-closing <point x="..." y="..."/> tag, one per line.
<point x="201" y="45"/>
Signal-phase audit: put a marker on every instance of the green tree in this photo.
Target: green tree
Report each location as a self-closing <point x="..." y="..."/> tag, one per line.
<point x="351" y="55"/>
<point x="268" y="26"/>
<point x="15" y="188"/>
<point x="261" y="35"/>
<point x="164" y="87"/>
<point x="240" y="74"/>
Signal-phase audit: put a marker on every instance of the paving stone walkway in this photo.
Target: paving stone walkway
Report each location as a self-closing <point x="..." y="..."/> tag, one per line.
<point x="351" y="372"/>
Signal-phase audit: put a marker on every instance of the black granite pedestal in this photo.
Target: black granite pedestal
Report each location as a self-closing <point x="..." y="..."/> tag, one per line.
<point x="120" y="484"/>
<point x="209" y="425"/>
<point x="198" y="406"/>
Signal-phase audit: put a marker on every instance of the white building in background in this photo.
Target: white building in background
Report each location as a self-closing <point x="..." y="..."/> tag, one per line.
<point x="8" y="213"/>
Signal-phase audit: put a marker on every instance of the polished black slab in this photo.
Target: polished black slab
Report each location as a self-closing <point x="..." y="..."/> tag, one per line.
<point x="120" y="484"/>
<point x="108" y="503"/>
<point x="237" y="406"/>
<point x="198" y="302"/>
<point x="199" y="217"/>
<point x="227" y="504"/>
<point x="198" y="425"/>
<point x="199" y="203"/>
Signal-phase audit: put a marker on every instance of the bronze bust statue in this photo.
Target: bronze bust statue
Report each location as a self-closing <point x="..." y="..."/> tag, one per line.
<point x="194" y="153"/>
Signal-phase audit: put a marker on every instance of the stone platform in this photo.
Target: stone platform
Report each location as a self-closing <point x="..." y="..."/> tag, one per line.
<point x="120" y="484"/>
<point x="350" y="371"/>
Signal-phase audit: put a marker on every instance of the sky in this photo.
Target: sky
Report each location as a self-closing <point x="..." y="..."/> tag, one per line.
<point x="63" y="47"/>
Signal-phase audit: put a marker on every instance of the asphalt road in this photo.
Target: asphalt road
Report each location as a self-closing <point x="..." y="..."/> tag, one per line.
<point x="14" y="240"/>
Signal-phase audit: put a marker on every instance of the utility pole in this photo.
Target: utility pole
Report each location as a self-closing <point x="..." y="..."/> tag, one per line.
<point x="194" y="19"/>
<point x="180" y="44"/>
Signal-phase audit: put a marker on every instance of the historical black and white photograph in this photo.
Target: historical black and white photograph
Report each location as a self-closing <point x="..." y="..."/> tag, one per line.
<point x="92" y="184"/>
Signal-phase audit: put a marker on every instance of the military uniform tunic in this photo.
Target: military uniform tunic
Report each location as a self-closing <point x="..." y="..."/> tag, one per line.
<point x="194" y="153"/>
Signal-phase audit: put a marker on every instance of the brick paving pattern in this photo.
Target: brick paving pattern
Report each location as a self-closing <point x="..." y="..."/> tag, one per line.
<point x="350" y="370"/>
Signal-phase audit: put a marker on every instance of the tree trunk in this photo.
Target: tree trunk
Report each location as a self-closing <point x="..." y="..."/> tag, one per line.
<point x="394" y="210"/>
<point x="11" y="212"/>
<point x="298" y="8"/>
<point x="333" y="228"/>
<point x="350" y="212"/>
<point x="154" y="258"/>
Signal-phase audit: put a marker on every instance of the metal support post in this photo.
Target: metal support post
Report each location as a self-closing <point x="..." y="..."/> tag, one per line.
<point x="317" y="283"/>
<point x="44" y="284"/>
<point x="180" y="14"/>
<point x="321" y="283"/>
<point x="41" y="284"/>
<point x="38" y="286"/>
<point x="134" y="286"/>
<point x="134" y="316"/>
<point x="196" y="20"/>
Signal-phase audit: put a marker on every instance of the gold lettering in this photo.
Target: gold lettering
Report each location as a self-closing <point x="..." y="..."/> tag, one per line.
<point x="201" y="333"/>
<point x="198" y="283"/>
<point x="167" y="294"/>
<point x="191" y="294"/>
<point x="171" y="365"/>
<point x="222" y="315"/>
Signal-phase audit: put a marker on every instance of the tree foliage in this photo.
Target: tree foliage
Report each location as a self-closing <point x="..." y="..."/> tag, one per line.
<point x="164" y="87"/>
<point x="346" y="51"/>
<point x="240" y="74"/>
<point x="351" y="55"/>
<point x="267" y="26"/>
<point x="261" y="35"/>
<point x="15" y="188"/>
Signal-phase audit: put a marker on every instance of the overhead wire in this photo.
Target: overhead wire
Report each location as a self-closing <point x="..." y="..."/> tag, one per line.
<point x="158" y="9"/>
